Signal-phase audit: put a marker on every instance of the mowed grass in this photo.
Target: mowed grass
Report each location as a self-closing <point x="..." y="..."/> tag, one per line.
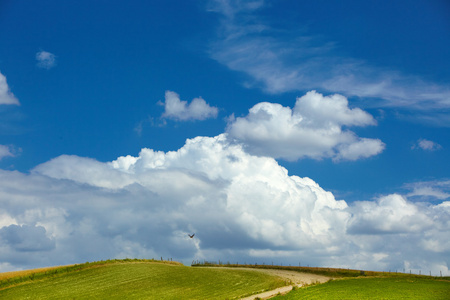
<point x="144" y="280"/>
<point x="374" y="288"/>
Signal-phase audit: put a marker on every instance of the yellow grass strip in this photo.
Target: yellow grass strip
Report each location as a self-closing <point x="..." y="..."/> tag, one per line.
<point x="7" y="275"/>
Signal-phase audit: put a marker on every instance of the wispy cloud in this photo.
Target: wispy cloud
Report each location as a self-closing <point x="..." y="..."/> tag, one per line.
<point x="148" y="121"/>
<point x="436" y="190"/>
<point x="6" y="96"/>
<point x="179" y="110"/>
<point x="426" y="145"/>
<point x="5" y="151"/>
<point x="45" y="60"/>
<point x="277" y="62"/>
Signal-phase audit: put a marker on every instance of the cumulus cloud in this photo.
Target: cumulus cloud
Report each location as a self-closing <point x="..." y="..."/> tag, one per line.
<point x="426" y="145"/>
<point x="6" y="97"/>
<point x="314" y="128"/>
<point x="362" y="148"/>
<point x="45" y="60"/>
<point x="242" y="207"/>
<point x="26" y="238"/>
<point x="279" y="61"/>
<point x="389" y="214"/>
<point x="84" y="170"/>
<point x="180" y="110"/>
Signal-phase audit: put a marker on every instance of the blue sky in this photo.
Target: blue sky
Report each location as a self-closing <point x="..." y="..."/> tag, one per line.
<point x="353" y="95"/>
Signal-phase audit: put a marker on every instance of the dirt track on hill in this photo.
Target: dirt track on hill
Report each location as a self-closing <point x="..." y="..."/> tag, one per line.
<point x="296" y="278"/>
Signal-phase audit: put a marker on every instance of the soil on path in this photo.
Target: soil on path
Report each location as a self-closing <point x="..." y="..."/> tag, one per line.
<point x="295" y="278"/>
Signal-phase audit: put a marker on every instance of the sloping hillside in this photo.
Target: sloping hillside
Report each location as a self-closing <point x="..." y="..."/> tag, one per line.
<point x="137" y="279"/>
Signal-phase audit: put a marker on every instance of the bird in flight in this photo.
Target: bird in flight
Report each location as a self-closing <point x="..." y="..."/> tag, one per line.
<point x="191" y="236"/>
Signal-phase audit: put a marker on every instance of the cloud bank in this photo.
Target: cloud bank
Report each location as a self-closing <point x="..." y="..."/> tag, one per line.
<point x="6" y="97"/>
<point x="314" y="128"/>
<point x="179" y="110"/>
<point x="242" y="208"/>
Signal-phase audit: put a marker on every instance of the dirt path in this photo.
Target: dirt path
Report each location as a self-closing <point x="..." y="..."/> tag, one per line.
<point x="297" y="279"/>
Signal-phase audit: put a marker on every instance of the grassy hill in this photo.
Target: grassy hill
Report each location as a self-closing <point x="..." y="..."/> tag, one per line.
<point x="375" y="288"/>
<point x="150" y="279"/>
<point x="134" y="279"/>
<point x="356" y="284"/>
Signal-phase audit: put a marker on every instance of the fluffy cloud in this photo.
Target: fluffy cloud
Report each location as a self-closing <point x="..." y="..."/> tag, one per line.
<point x="179" y="110"/>
<point x="389" y="214"/>
<point x="313" y="128"/>
<point x="45" y="60"/>
<point x="426" y="145"/>
<point x="361" y="148"/>
<point x="6" y="97"/>
<point x="242" y="208"/>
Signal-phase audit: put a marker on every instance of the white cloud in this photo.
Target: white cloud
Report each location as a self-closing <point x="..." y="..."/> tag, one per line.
<point x="389" y="214"/>
<point x="5" y="151"/>
<point x="6" y="220"/>
<point x="313" y="128"/>
<point x="361" y="148"/>
<point x="426" y="145"/>
<point x="277" y="62"/>
<point x="241" y="207"/>
<point x="45" y="60"/>
<point x="84" y="170"/>
<point x="429" y="190"/>
<point x="6" y="97"/>
<point x="179" y="110"/>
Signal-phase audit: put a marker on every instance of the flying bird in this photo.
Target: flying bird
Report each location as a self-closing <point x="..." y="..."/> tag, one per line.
<point x="191" y="236"/>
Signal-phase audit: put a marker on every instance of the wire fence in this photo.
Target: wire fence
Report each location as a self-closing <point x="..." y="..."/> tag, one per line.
<point x="353" y="272"/>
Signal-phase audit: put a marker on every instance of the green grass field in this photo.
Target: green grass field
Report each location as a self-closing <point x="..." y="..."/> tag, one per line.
<point x="149" y="279"/>
<point x="375" y="288"/>
<point x="140" y="280"/>
<point x="355" y="284"/>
